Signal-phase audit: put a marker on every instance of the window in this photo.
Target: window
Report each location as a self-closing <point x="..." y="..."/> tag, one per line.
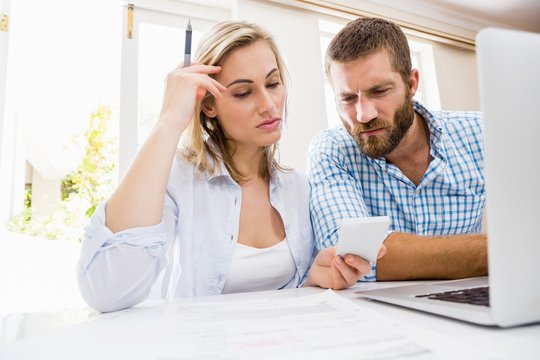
<point x="60" y="68"/>
<point x="157" y="47"/>
<point x="423" y="60"/>
<point x="155" y="59"/>
<point x="327" y="31"/>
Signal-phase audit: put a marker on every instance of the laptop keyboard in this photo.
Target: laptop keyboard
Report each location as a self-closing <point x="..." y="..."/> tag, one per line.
<point x="474" y="296"/>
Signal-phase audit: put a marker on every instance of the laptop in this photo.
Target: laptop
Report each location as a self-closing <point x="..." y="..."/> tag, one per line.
<point x="509" y="77"/>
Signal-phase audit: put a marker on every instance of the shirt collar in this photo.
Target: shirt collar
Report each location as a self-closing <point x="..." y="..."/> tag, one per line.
<point x="276" y="176"/>
<point x="435" y="129"/>
<point x="218" y="164"/>
<point x="220" y="171"/>
<point x="434" y="124"/>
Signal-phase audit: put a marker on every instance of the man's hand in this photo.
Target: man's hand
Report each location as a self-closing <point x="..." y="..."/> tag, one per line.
<point x="336" y="272"/>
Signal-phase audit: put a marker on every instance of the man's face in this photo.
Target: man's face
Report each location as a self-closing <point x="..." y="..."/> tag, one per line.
<point x="373" y="103"/>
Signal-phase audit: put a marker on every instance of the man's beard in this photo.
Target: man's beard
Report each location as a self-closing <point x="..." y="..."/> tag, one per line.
<point x="376" y="146"/>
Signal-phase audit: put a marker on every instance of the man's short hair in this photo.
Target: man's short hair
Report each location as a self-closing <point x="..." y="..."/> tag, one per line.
<point x="366" y="36"/>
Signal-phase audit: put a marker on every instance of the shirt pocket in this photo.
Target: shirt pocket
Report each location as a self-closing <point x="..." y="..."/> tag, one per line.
<point x="459" y="214"/>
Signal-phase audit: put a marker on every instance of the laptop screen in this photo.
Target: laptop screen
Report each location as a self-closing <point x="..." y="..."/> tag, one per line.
<point x="509" y="76"/>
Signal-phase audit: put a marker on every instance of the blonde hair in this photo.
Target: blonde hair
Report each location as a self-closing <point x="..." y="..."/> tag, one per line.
<point x="206" y="144"/>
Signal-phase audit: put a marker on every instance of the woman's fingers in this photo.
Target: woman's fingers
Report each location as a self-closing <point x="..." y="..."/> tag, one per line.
<point x="217" y="87"/>
<point x="212" y="86"/>
<point x="199" y="69"/>
<point x="339" y="277"/>
<point x="204" y="70"/>
<point x="351" y="269"/>
<point x="358" y="263"/>
<point x="197" y="80"/>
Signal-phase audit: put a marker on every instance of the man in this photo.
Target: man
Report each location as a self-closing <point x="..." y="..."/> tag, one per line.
<point x="424" y="169"/>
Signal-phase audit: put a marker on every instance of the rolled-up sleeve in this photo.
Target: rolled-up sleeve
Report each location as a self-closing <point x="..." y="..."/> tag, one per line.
<point x="116" y="271"/>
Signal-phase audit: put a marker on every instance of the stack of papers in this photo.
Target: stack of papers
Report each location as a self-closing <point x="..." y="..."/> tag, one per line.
<point x="321" y="326"/>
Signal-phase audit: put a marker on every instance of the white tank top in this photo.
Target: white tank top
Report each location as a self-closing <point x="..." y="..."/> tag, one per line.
<point x="254" y="269"/>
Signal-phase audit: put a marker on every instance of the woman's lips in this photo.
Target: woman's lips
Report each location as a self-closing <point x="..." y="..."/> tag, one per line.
<point x="269" y="124"/>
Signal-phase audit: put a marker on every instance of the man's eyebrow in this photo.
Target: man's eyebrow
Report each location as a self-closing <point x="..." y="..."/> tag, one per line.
<point x="346" y="93"/>
<point x="239" y="81"/>
<point x="375" y="87"/>
<point x="380" y="85"/>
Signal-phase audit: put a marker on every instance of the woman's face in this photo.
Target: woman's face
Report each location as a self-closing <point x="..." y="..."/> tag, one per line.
<point x="251" y="110"/>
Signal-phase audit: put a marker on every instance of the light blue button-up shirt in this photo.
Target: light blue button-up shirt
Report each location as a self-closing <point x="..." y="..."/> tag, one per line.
<point x="449" y="200"/>
<point x="202" y="213"/>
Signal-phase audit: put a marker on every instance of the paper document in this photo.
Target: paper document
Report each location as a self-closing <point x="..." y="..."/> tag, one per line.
<point x="323" y="326"/>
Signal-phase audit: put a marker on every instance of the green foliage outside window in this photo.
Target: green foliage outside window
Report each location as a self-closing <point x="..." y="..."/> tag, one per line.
<point x="82" y="190"/>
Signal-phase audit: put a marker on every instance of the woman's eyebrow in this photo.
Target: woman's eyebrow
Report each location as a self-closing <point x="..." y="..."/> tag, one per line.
<point x="238" y="81"/>
<point x="271" y="72"/>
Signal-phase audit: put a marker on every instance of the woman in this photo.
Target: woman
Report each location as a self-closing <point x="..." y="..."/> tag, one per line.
<point x="240" y="220"/>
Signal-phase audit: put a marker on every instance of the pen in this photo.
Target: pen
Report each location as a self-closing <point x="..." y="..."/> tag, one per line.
<point x="174" y="256"/>
<point x="187" y="49"/>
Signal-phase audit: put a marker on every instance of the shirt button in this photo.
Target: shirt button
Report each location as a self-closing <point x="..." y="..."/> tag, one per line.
<point x="232" y="237"/>
<point x="235" y="201"/>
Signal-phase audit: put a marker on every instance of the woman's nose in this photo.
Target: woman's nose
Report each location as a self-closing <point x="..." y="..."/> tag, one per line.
<point x="266" y="103"/>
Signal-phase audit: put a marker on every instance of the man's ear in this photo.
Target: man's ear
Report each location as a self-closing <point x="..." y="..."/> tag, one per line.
<point x="414" y="80"/>
<point x="209" y="110"/>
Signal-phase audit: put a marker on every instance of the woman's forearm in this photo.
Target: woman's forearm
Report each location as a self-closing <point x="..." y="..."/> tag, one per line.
<point x="138" y="200"/>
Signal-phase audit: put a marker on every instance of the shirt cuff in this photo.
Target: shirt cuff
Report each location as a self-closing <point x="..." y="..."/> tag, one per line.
<point x="98" y="237"/>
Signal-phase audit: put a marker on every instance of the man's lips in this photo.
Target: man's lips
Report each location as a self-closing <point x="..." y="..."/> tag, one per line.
<point x="269" y="124"/>
<point x="372" y="132"/>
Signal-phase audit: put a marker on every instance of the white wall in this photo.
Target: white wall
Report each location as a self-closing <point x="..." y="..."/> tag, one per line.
<point x="457" y="77"/>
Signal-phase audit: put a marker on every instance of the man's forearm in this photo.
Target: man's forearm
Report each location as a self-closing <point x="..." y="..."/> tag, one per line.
<point x="413" y="257"/>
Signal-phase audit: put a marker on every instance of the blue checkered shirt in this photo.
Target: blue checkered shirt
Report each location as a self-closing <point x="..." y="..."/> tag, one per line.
<point x="449" y="200"/>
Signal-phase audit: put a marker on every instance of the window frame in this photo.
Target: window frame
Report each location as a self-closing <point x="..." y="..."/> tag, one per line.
<point x="6" y="145"/>
<point x="163" y="13"/>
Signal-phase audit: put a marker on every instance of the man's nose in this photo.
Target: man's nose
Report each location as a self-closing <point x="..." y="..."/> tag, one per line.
<point x="365" y="110"/>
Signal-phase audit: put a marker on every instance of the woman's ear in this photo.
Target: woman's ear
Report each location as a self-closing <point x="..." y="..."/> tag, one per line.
<point x="209" y="110"/>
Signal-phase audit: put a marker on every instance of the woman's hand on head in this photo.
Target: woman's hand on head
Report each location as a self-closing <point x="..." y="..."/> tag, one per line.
<point x="184" y="88"/>
<point x="332" y="271"/>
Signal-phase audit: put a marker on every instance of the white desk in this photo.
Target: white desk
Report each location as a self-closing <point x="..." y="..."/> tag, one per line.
<point x="41" y="335"/>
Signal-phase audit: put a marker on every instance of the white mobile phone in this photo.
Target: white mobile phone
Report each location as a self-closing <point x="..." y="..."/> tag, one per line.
<point x="362" y="236"/>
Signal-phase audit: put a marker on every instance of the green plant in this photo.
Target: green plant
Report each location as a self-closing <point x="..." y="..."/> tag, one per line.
<point x="81" y="191"/>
